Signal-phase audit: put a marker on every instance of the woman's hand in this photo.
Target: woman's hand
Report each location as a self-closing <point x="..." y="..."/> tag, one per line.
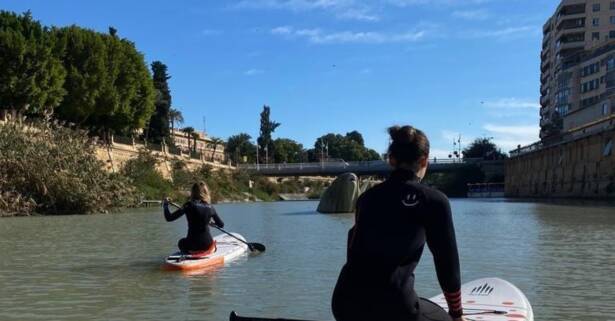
<point x="165" y="201"/>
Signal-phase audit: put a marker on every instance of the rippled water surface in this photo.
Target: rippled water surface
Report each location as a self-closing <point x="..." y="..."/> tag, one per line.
<point x="108" y="267"/>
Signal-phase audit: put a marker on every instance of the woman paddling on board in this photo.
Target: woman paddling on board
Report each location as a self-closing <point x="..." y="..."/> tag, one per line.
<point x="393" y="222"/>
<point x="199" y="213"/>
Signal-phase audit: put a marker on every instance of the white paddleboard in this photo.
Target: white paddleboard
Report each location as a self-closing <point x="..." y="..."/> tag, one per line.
<point x="492" y="294"/>
<point x="227" y="250"/>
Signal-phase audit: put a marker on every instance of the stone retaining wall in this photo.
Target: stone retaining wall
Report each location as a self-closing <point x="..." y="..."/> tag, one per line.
<point x="582" y="168"/>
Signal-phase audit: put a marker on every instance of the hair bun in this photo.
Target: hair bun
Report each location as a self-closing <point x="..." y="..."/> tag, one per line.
<point x="402" y="135"/>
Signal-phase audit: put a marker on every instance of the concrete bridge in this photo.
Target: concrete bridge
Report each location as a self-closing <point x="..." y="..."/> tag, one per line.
<point x="368" y="168"/>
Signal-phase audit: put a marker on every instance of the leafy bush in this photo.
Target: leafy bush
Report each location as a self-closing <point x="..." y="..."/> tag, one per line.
<point x="55" y="170"/>
<point x="149" y="183"/>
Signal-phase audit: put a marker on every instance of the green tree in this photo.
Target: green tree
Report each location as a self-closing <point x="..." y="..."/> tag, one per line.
<point x="287" y="151"/>
<point x="483" y="148"/>
<point x="348" y="148"/>
<point x="159" y="123"/>
<point x="214" y="142"/>
<point x="31" y="76"/>
<point x="267" y="128"/>
<point x="108" y="86"/>
<point x="356" y="137"/>
<point x="240" y="146"/>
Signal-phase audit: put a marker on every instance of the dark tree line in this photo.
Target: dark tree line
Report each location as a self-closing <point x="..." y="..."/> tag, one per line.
<point x="350" y="147"/>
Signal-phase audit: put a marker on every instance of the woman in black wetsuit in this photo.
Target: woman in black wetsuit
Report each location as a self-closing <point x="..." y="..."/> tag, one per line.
<point x="393" y="222"/>
<point x="199" y="214"/>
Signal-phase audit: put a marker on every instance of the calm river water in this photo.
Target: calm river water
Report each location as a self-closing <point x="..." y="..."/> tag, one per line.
<point x="108" y="267"/>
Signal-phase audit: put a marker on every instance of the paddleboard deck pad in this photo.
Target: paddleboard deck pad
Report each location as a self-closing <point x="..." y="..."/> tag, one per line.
<point x="227" y="250"/>
<point x="492" y="299"/>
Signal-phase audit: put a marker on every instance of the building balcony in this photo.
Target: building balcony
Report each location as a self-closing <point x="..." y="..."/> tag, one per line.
<point x="545" y="65"/>
<point x="544" y="111"/>
<point x="546" y="28"/>
<point x="544" y="78"/>
<point x="568" y="24"/>
<point x="545" y="122"/>
<point x="544" y="100"/>
<point x="545" y="53"/>
<point x="544" y="89"/>
<point x="571" y="10"/>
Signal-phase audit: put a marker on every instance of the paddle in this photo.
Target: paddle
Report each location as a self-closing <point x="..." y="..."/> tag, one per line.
<point x="254" y="247"/>
<point x="496" y="312"/>
<point x="235" y="317"/>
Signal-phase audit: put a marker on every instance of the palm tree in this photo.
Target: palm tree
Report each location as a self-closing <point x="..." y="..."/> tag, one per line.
<point x="175" y="117"/>
<point x="188" y="131"/>
<point x="215" y="141"/>
<point x="195" y="137"/>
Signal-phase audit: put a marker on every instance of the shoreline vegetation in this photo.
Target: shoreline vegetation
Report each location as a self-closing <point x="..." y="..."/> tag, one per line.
<point x="47" y="168"/>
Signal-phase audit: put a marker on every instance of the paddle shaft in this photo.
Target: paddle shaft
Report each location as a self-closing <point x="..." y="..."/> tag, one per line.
<point x="235" y="317"/>
<point x="233" y="236"/>
<point x="251" y="246"/>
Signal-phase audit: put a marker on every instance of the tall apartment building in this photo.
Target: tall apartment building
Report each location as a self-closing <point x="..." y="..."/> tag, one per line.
<point x="577" y="67"/>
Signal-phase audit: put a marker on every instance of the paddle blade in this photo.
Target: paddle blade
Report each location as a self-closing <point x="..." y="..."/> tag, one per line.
<point x="256" y="247"/>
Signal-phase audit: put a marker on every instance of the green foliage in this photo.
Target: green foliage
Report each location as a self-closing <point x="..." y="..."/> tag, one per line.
<point x="483" y="148"/>
<point x="98" y="81"/>
<point x="287" y="151"/>
<point x="56" y="170"/>
<point x="240" y="146"/>
<point x="109" y="89"/>
<point x="149" y="183"/>
<point x="349" y="148"/>
<point x="32" y="76"/>
<point x="159" y="123"/>
<point x="267" y="128"/>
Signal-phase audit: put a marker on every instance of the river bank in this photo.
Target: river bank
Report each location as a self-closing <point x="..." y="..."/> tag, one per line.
<point x="49" y="169"/>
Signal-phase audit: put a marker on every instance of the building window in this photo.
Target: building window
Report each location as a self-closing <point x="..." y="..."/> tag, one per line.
<point x="605" y="109"/>
<point x="612" y="5"/>
<point x="596" y="22"/>
<point x="612" y="19"/>
<point x="595" y="36"/>
<point x="596" y="7"/>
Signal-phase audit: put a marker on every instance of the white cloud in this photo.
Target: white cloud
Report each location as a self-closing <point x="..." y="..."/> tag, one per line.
<point x="478" y="14"/>
<point x="319" y="36"/>
<point x="253" y="72"/>
<point x="283" y="30"/>
<point x="503" y="33"/>
<point x="342" y="9"/>
<point x="508" y="137"/>
<point x="450" y="136"/>
<point x="409" y="3"/>
<point x="512" y="103"/>
<point x="210" y="32"/>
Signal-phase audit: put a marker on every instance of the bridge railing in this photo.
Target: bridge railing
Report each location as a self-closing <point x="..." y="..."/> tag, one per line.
<point x="345" y="165"/>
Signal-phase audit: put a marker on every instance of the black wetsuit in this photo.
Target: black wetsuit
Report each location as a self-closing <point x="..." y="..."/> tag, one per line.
<point x="198" y="214"/>
<point x="394" y="220"/>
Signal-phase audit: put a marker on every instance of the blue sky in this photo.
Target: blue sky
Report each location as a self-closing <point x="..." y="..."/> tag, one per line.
<point x="445" y="66"/>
